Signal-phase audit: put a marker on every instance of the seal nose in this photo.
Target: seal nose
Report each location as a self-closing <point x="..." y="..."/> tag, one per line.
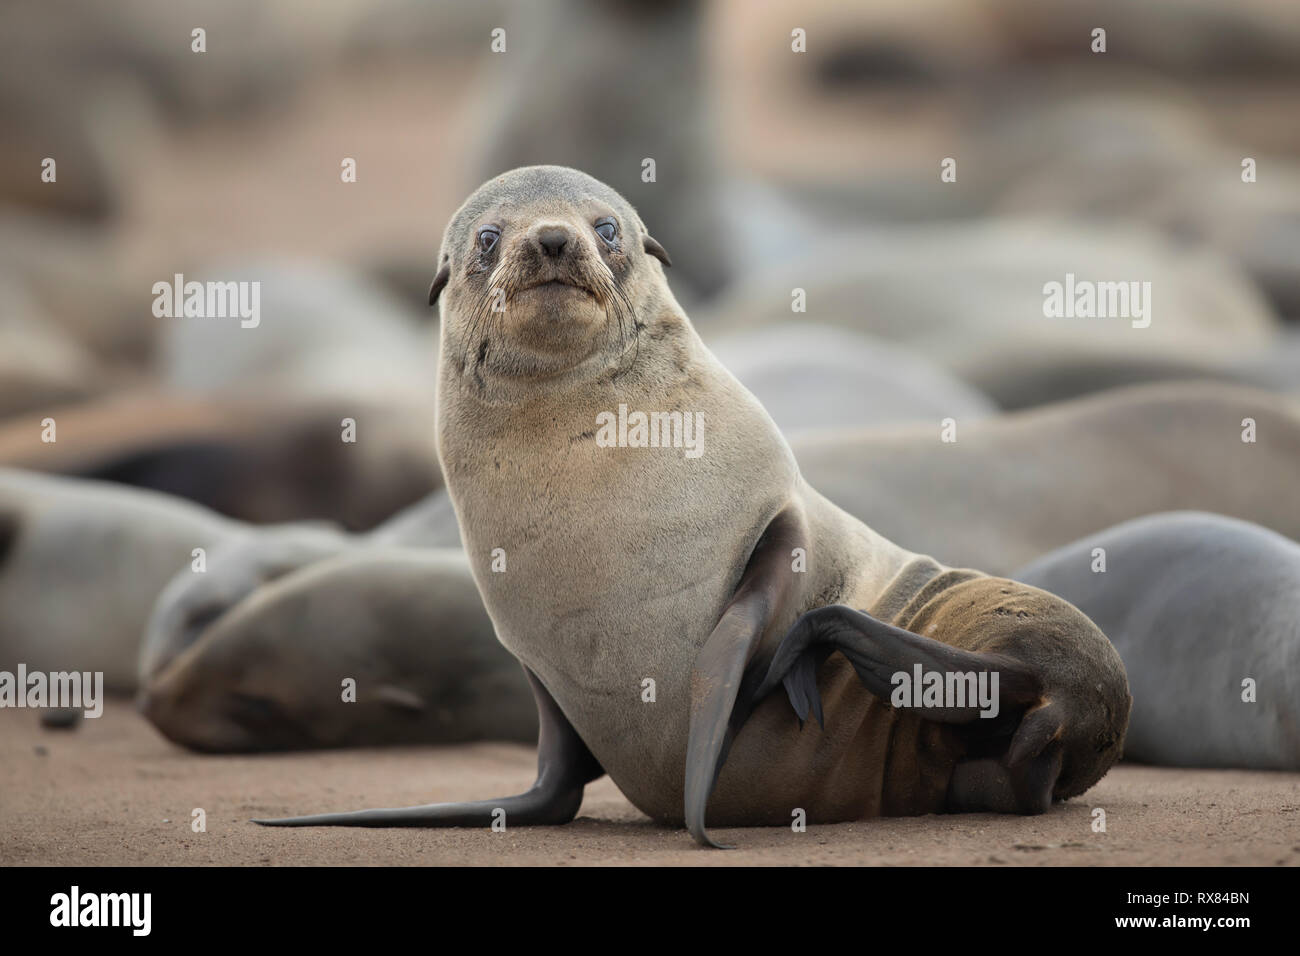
<point x="553" y="239"/>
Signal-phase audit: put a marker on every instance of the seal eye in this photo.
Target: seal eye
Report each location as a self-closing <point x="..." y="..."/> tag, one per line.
<point x="487" y="238"/>
<point x="607" y="230"/>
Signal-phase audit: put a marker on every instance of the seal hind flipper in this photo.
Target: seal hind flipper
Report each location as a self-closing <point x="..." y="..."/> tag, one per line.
<point x="877" y="651"/>
<point x="1020" y="781"/>
<point x="564" y="767"/>
<point x="716" y="681"/>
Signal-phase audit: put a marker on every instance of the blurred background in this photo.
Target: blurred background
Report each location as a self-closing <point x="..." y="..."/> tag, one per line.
<point x="775" y="169"/>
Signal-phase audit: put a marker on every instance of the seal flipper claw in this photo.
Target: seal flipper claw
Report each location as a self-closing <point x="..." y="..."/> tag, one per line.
<point x="801" y="687"/>
<point x="564" y="767"/>
<point x="720" y="666"/>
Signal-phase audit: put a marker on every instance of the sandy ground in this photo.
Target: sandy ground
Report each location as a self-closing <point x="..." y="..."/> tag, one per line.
<point x="113" y="792"/>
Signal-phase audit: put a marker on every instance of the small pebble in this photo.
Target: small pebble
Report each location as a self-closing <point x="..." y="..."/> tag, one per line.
<point x="61" y="718"/>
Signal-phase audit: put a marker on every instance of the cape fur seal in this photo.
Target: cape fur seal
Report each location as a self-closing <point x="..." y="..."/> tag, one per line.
<point x="82" y="563"/>
<point x="1012" y="488"/>
<point x="326" y="335"/>
<point x="260" y="458"/>
<point x="984" y="316"/>
<point x="1055" y="161"/>
<point x="629" y="564"/>
<point x="1196" y="604"/>
<point x="80" y="566"/>
<point x="814" y="376"/>
<point x="407" y="626"/>
<point x="88" y="569"/>
<point x="191" y="602"/>
<point x="235" y="568"/>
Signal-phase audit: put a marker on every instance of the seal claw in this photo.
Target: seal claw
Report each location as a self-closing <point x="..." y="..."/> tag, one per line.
<point x="801" y="687"/>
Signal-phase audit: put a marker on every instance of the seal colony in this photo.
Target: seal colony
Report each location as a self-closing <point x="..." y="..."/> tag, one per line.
<point x="406" y="627"/>
<point x="656" y="600"/>
<point x="1013" y="488"/>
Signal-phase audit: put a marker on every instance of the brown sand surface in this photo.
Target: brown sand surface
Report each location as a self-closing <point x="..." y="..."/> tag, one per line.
<point x="113" y="792"/>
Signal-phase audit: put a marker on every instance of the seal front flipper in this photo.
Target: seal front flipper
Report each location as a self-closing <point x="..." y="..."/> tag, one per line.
<point x="1021" y="780"/>
<point x="564" y="767"/>
<point x="720" y="665"/>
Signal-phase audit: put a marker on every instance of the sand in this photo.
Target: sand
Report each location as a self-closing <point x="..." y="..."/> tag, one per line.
<point x="114" y="792"/>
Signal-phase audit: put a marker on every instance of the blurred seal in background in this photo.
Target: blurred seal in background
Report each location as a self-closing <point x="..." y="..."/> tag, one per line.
<point x="1012" y="488"/>
<point x="81" y="564"/>
<point x="407" y="627"/>
<point x="1197" y="605"/>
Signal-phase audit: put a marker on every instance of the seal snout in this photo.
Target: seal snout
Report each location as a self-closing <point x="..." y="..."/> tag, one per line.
<point x="557" y="260"/>
<point x="552" y="239"/>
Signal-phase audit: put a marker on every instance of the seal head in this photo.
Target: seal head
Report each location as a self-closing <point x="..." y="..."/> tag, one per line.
<point x="548" y="271"/>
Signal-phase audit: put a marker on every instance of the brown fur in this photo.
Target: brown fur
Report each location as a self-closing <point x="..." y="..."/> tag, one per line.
<point x="874" y="760"/>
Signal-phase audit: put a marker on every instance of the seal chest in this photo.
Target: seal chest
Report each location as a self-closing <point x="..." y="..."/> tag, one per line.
<point x="614" y="562"/>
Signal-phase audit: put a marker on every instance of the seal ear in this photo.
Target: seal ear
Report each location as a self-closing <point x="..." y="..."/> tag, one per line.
<point x="439" y="281"/>
<point x="653" y="248"/>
